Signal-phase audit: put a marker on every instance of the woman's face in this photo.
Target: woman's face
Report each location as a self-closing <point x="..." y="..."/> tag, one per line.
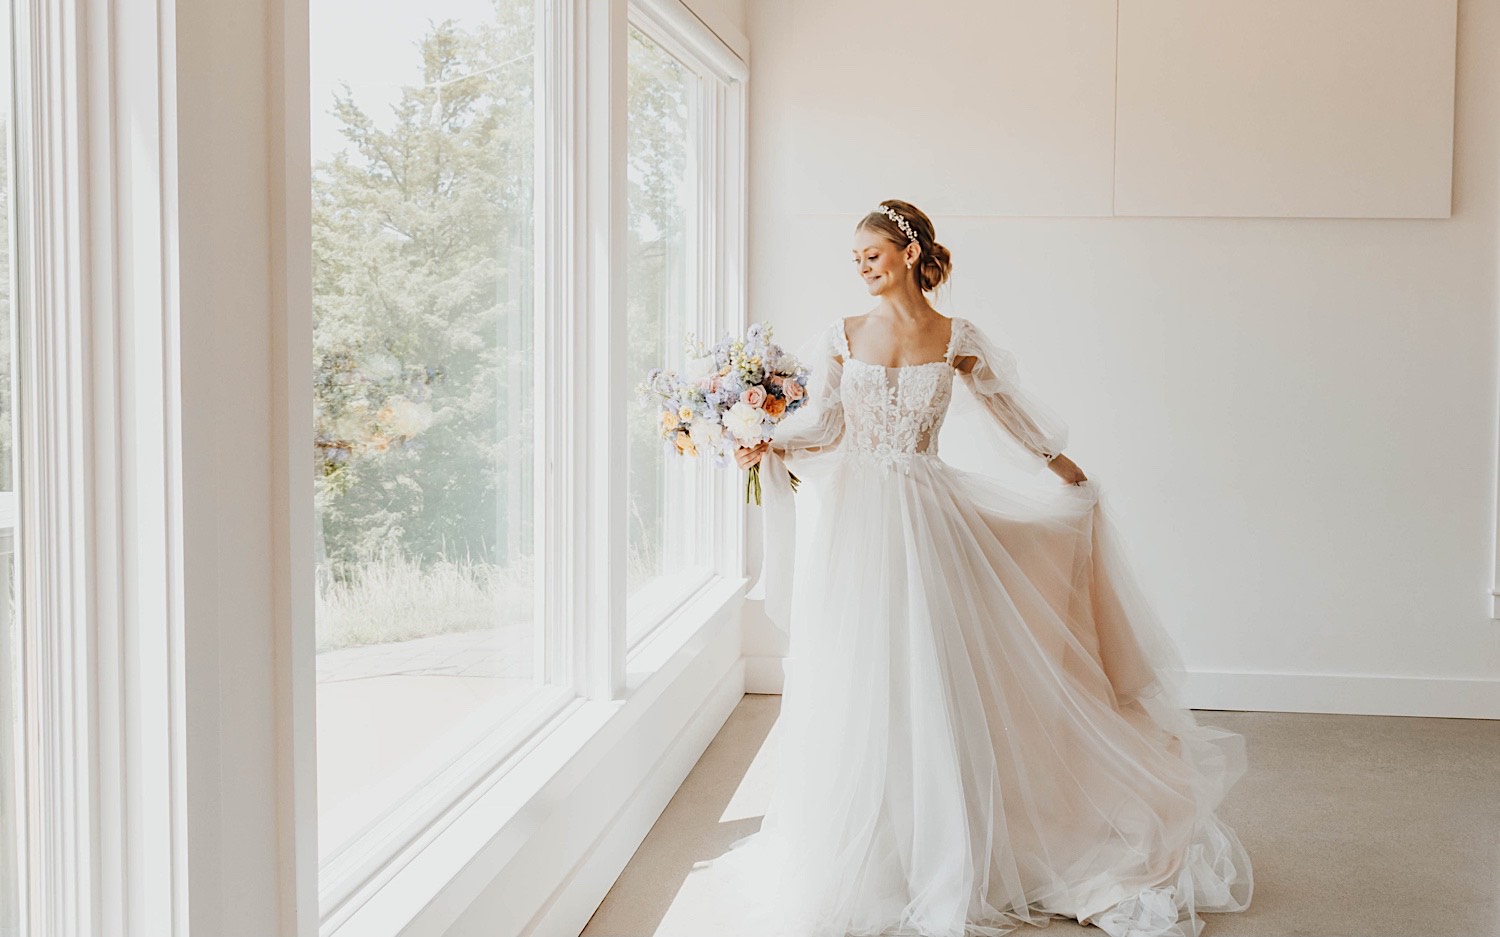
<point x="880" y="263"/>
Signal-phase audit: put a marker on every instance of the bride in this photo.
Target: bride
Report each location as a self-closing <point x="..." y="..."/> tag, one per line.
<point x="980" y="725"/>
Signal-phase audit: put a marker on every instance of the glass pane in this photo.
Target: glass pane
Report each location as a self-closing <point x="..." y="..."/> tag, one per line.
<point x="10" y="708"/>
<point x="422" y="361"/>
<point x="660" y="279"/>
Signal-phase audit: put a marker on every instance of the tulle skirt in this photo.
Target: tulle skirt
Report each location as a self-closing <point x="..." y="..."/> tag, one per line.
<point x="980" y="724"/>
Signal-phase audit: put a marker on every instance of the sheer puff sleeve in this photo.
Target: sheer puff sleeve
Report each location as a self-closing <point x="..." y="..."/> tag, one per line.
<point x="819" y="425"/>
<point x="992" y="378"/>
<point x="802" y="441"/>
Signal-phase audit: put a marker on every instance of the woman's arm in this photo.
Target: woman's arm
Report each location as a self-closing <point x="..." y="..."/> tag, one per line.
<point x="990" y="374"/>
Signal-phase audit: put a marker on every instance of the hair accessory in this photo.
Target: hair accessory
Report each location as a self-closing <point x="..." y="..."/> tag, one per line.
<point x="901" y="222"/>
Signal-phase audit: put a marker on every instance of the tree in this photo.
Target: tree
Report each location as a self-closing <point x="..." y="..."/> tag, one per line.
<point x="422" y="253"/>
<point x="423" y="305"/>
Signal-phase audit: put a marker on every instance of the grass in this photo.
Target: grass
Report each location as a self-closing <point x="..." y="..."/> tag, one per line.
<point x="396" y="597"/>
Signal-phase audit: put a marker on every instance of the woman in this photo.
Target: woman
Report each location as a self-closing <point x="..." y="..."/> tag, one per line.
<point x="979" y="724"/>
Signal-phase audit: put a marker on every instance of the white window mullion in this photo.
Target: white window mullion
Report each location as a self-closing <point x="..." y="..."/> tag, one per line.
<point x="560" y="97"/>
<point x="591" y="369"/>
<point x="99" y="607"/>
<point x="705" y="534"/>
<point x="123" y="514"/>
<point x="56" y="747"/>
<point x="726" y="142"/>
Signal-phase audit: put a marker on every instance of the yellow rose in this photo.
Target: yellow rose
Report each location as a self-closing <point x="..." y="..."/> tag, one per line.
<point x="668" y="419"/>
<point x="685" y="413"/>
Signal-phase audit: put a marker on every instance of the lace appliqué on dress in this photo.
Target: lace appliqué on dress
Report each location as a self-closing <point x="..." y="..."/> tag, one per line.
<point x="893" y="414"/>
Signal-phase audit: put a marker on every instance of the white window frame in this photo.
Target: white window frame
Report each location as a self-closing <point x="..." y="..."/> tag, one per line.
<point x="119" y="802"/>
<point x="580" y="497"/>
<point x="713" y="522"/>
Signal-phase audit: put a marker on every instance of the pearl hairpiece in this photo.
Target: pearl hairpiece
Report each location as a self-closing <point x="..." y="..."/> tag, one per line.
<point x="901" y="222"/>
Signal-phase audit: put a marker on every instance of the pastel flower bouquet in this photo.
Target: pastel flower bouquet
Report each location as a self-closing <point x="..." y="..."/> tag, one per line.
<point x="738" y="391"/>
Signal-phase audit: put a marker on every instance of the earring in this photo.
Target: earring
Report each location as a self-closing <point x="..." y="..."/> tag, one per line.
<point x="908" y="265"/>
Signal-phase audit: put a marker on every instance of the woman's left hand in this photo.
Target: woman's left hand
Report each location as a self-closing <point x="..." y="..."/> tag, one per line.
<point x="1067" y="470"/>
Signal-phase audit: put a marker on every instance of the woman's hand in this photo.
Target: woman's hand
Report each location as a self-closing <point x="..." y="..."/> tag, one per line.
<point x="747" y="456"/>
<point x="1067" y="470"/>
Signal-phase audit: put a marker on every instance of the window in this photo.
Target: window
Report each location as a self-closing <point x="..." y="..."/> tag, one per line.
<point x="459" y="606"/>
<point x="662" y="272"/>
<point x="424" y="330"/>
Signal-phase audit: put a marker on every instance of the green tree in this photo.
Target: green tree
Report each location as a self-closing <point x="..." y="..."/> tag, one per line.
<point x="422" y="254"/>
<point x="423" y="305"/>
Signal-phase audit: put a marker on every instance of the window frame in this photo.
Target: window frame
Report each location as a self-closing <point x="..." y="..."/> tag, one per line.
<point x="717" y="294"/>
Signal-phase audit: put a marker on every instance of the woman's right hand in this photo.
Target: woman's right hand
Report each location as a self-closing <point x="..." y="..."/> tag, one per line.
<point x="747" y="456"/>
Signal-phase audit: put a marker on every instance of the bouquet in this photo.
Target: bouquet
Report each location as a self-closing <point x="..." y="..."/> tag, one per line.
<point x="738" y="391"/>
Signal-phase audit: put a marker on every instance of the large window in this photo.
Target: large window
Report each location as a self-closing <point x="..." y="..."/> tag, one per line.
<point x="424" y="330"/>
<point x="462" y="306"/>
<point x="665" y="300"/>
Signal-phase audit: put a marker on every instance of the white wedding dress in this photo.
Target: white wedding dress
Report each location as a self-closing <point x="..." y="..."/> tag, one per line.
<point x="979" y="725"/>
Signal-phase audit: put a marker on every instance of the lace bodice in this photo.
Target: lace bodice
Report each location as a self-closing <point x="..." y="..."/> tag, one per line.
<point x="891" y="416"/>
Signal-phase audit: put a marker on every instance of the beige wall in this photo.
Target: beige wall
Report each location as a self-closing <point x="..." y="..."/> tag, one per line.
<point x="1295" y="419"/>
<point x="727" y="18"/>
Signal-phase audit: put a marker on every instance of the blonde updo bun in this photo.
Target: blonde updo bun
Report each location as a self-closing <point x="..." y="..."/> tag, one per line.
<point x="935" y="264"/>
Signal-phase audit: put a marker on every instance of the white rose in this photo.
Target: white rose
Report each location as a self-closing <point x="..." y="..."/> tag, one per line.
<point x="705" y="435"/>
<point x="745" y="422"/>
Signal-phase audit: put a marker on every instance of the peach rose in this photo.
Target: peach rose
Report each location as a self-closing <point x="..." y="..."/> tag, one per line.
<point x="775" y="406"/>
<point x="753" y="396"/>
<point x="792" y="389"/>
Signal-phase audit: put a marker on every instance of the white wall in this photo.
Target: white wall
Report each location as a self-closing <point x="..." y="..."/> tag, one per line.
<point x="1295" y="419"/>
<point x="727" y="18"/>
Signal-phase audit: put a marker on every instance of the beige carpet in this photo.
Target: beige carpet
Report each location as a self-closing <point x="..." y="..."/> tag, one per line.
<point x="1356" y="825"/>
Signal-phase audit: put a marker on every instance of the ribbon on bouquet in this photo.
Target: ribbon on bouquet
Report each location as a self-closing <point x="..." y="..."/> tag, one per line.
<point x="778" y="541"/>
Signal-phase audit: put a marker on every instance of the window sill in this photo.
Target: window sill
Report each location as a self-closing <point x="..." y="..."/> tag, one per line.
<point x="449" y="866"/>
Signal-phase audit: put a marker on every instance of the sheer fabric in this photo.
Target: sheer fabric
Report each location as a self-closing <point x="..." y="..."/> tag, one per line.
<point x="981" y="724"/>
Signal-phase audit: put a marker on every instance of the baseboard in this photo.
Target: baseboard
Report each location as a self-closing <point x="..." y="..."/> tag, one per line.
<point x="576" y="901"/>
<point x="1352" y="694"/>
<point x="763" y="674"/>
<point x="580" y="840"/>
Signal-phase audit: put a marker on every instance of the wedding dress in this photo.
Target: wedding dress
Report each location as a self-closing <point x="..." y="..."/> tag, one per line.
<point x="979" y="724"/>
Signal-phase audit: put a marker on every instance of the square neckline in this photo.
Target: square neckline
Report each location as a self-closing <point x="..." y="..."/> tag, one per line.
<point x="947" y="350"/>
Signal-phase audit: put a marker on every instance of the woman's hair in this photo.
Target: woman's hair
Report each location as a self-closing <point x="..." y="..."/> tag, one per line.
<point x="933" y="267"/>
